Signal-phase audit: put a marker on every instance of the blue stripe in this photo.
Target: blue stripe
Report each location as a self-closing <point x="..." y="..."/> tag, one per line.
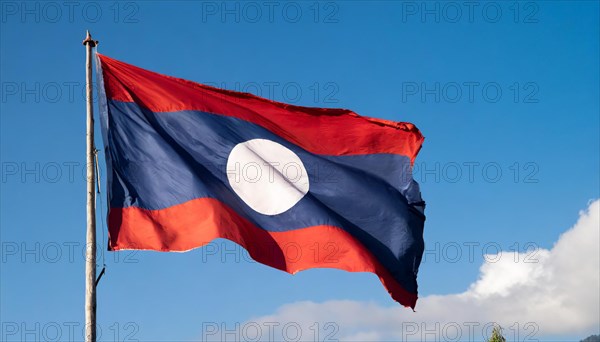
<point x="163" y="159"/>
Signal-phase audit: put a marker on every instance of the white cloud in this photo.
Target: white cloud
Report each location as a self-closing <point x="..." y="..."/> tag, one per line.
<point x="555" y="293"/>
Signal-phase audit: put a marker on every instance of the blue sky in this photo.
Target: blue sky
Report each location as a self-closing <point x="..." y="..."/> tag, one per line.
<point x="505" y="93"/>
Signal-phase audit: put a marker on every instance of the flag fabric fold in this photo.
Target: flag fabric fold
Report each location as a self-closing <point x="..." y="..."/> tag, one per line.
<point x="297" y="187"/>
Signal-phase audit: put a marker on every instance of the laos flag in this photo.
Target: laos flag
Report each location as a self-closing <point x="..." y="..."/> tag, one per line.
<point x="297" y="187"/>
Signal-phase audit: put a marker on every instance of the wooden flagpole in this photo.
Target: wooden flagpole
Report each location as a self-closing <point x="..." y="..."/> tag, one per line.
<point x="90" y="265"/>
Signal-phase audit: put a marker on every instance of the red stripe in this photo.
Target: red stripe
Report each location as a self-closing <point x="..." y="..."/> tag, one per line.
<point x="199" y="221"/>
<point x="318" y="130"/>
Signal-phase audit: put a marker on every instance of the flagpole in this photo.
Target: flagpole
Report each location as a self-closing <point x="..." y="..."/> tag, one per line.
<point x="90" y="266"/>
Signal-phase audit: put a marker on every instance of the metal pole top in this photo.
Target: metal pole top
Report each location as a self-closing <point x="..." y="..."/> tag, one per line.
<point x="88" y="40"/>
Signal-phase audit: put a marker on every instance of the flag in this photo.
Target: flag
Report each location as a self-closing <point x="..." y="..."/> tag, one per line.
<point x="297" y="187"/>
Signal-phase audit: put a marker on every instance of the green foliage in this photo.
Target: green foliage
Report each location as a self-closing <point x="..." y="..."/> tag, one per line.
<point x="592" y="338"/>
<point x="497" y="335"/>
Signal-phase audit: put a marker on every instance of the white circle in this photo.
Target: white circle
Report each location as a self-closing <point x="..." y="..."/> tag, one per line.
<point x="267" y="176"/>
